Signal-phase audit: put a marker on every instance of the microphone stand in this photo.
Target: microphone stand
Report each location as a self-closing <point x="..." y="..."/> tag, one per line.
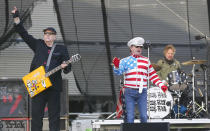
<point x="147" y="46"/>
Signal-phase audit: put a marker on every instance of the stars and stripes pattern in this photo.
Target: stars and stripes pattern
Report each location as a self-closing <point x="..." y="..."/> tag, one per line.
<point x="121" y="109"/>
<point x="136" y="70"/>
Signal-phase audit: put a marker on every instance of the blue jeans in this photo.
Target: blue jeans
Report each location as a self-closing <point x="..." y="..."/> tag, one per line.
<point x="133" y="97"/>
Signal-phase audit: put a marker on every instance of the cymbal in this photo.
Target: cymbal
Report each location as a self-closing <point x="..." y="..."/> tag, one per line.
<point x="190" y="62"/>
<point x="156" y="67"/>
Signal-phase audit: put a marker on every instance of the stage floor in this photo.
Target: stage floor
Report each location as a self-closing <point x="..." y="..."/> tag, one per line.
<point x="102" y="125"/>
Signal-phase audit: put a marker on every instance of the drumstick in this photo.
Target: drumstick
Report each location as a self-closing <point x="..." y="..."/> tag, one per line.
<point x="200" y="93"/>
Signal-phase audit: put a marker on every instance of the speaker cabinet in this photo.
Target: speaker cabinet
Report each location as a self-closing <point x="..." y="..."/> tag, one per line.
<point x="145" y="127"/>
<point x="13" y="99"/>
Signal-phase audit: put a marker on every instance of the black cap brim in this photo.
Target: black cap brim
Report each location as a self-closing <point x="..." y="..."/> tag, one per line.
<point x="50" y="29"/>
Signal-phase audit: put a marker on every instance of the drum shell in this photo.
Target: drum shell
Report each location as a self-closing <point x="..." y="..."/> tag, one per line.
<point x="159" y="103"/>
<point x="177" y="80"/>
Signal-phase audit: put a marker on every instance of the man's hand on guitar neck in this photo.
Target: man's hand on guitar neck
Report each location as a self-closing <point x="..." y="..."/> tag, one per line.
<point x="64" y="65"/>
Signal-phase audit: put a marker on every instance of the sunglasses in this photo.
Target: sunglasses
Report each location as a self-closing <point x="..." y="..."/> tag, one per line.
<point x="138" y="46"/>
<point x="49" y="33"/>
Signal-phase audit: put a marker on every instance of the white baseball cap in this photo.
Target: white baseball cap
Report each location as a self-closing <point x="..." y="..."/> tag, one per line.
<point x="137" y="41"/>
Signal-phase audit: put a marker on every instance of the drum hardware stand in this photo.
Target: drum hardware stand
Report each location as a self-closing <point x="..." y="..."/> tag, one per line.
<point x="171" y="107"/>
<point x="179" y="93"/>
<point x="204" y="67"/>
<point x="203" y="106"/>
<point x="178" y="104"/>
<point x="193" y="86"/>
<point x="198" y="108"/>
<point x="147" y="45"/>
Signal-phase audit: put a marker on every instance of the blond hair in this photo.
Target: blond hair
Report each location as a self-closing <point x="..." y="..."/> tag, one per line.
<point x="169" y="47"/>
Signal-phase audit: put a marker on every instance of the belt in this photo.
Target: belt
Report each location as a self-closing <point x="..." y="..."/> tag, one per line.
<point x="131" y="88"/>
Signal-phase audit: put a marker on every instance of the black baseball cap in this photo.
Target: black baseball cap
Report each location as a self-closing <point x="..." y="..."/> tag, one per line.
<point x="51" y="29"/>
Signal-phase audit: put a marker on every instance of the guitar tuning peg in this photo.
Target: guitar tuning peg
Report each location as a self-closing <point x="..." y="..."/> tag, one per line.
<point x="79" y="56"/>
<point x="75" y="57"/>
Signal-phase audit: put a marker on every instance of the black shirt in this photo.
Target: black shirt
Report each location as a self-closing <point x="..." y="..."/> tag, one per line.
<point x="41" y="53"/>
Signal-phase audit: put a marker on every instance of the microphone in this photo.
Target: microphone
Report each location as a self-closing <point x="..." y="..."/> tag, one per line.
<point x="147" y="44"/>
<point x="199" y="37"/>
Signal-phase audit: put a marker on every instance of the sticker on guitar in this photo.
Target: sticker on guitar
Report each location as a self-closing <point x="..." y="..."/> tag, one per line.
<point x="38" y="80"/>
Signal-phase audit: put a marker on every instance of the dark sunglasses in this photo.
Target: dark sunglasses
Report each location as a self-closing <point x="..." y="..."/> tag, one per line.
<point x="49" y="33"/>
<point x="138" y="46"/>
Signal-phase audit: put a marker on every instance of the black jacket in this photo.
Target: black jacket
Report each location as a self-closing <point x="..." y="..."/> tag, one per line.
<point x="41" y="54"/>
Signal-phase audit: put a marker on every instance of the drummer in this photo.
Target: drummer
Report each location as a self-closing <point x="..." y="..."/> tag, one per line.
<point x="168" y="63"/>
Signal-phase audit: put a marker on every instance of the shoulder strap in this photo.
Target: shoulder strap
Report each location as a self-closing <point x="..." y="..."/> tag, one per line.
<point x="49" y="57"/>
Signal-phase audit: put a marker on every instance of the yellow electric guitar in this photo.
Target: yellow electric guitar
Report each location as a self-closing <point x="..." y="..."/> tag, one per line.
<point x="38" y="80"/>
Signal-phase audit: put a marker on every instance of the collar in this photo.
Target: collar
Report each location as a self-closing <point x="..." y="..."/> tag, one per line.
<point x="169" y="61"/>
<point x="135" y="56"/>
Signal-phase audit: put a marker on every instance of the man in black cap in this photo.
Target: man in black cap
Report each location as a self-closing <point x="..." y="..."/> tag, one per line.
<point x="50" y="96"/>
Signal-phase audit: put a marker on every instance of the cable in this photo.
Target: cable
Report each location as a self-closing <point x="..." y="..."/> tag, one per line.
<point x="6" y="15"/>
<point x="59" y="19"/>
<point x="6" y="36"/>
<point x="77" y="42"/>
<point x="188" y="26"/>
<point x="181" y="18"/>
<point x="130" y="17"/>
<point x="85" y="93"/>
<point x="186" y="21"/>
<point x="108" y="51"/>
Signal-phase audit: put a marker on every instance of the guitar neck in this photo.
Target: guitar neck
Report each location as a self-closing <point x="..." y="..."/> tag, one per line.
<point x="56" y="69"/>
<point x="72" y="59"/>
<point x="53" y="71"/>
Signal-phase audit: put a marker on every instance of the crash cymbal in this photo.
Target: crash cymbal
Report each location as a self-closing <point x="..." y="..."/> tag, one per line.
<point x="156" y="67"/>
<point x="190" y="62"/>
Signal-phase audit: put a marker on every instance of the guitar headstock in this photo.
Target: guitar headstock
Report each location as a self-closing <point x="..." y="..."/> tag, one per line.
<point x="75" y="58"/>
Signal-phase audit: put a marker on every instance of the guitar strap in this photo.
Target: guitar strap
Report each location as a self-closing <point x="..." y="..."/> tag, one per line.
<point x="49" y="57"/>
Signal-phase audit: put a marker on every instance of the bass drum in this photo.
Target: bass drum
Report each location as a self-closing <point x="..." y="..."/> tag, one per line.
<point x="159" y="103"/>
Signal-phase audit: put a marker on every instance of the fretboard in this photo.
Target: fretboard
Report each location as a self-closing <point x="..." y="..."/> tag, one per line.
<point x="72" y="59"/>
<point x="53" y="71"/>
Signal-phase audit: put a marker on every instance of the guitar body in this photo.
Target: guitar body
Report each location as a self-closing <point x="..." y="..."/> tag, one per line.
<point x="36" y="81"/>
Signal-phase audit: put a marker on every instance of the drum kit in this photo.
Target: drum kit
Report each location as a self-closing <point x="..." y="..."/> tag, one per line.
<point x="167" y="105"/>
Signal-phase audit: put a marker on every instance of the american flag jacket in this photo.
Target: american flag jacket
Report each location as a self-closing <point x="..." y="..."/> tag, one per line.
<point x="136" y="70"/>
